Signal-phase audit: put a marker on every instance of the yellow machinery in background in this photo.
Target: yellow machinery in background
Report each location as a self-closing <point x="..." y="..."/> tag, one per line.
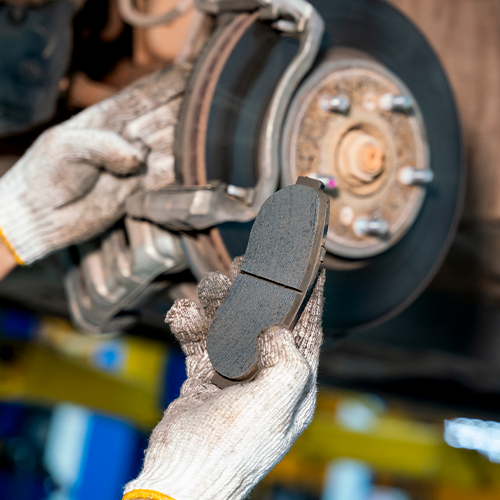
<point x="126" y="377"/>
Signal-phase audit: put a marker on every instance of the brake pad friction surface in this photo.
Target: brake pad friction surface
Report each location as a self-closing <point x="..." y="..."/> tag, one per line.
<point x="252" y="307"/>
<point x="278" y="272"/>
<point x="282" y="237"/>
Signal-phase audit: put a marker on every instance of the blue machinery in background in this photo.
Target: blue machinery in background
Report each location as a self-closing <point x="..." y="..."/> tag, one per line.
<point x="86" y="435"/>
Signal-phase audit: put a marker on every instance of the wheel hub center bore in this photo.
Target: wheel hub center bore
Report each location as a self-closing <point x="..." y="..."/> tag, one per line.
<point x="354" y="122"/>
<point x="360" y="158"/>
<point x="371" y="159"/>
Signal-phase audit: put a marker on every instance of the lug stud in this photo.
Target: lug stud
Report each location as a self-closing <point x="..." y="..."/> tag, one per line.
<point x="365" y="227"/>
<point x="338" y="104"/>
<point x="396" y="103"/>
<point x="413" y="177"/>
<point x="329" y="181"/>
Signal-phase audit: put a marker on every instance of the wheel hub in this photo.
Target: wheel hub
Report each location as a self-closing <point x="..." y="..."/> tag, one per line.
<point x="356" y="122"/>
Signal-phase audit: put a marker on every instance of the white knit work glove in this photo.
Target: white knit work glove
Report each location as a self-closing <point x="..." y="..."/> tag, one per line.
<point x="72" y="183"/>
<point x="216" y="444"/>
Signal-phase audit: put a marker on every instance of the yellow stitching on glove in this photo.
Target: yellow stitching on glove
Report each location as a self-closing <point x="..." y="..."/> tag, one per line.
<point x="11" y="249"/>
<point x="145" y="495"/>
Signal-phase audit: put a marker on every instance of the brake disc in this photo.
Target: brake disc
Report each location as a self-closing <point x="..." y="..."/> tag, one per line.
<point x="375" y="117"/>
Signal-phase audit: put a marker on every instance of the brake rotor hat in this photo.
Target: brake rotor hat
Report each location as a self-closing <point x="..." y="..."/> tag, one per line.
<point x="365" y="144"/>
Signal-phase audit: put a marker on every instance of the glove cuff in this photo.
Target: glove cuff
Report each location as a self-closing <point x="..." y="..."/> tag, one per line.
<point x="10" y="248"/>
<point x="19" y="229"/>
<point x="145" y="495"/>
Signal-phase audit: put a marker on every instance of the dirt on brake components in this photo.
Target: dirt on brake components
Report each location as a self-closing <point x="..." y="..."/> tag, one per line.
<point x="365" y="146"/>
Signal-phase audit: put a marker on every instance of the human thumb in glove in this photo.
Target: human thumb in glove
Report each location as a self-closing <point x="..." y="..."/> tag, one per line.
<point x="73" y="182"/>
<point x="218" y="443"/>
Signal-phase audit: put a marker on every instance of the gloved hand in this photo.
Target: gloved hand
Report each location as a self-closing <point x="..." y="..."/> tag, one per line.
<point x="216" y="444"/>
<point x="73" y="182"/>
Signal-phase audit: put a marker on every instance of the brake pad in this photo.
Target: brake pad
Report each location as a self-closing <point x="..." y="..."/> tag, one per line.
<point x="279" y="270"/>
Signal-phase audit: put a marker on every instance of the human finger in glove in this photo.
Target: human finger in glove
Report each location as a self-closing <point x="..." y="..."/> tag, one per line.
<point x="218" y="443"/>
<point x="73" y="182"/>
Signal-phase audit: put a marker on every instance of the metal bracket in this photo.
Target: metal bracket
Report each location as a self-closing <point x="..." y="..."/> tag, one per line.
<point x="193" y="208"/>
<point x="113" y="275"/>
<point x="216" y="7"/>
<point x="282" y="11"/>
<point x="206" y="206"/>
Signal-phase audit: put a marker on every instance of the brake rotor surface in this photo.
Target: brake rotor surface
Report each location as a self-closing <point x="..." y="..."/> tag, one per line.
<point x="362" y="290"/>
